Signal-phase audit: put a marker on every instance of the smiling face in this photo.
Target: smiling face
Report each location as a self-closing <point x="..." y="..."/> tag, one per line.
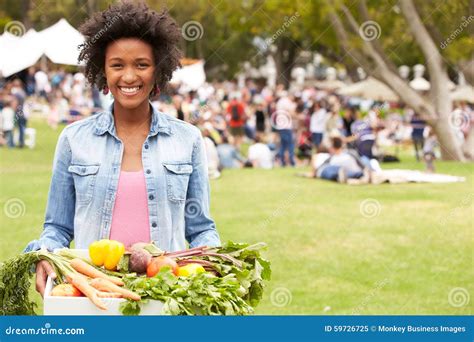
<point x="129" y="70"/>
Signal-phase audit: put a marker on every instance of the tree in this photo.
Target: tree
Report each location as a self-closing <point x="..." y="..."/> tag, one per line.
<point x="369" y="53"/>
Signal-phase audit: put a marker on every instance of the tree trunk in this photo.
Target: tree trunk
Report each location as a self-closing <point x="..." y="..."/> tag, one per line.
<point x="468" y="147"/>
<point x="439" y="93"/>
<point x="467" y="68"/>
<point x="372" y="58"/>
<point x="285" y="59"/>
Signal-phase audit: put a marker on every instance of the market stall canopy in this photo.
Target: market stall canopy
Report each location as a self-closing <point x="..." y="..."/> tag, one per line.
<point x="61" y="42"/>
<point x="191" y="75"/>
<point x="371" y="89"/>
<point x="327" y="84"/>
<point x="463" y="93"/>
<point x="58" y="42"/>
<point x="19" y="53"/>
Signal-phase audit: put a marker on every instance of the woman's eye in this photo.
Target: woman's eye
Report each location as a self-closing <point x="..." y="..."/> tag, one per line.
<point x="116" y="65"/>
<point x="142" y="65"/>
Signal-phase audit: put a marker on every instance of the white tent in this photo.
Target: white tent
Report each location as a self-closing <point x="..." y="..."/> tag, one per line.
<point x="328" y="84"/>
<point x="61" y="42"/>
<point x="192" y="76"/>
<point x="19" y="53"/>
<point x="370" y="88"/>
<point x="58" y="42"/>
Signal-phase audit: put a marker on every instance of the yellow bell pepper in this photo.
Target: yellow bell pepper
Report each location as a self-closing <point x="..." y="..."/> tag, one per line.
<point x="106" y="253"/>
<point x="190" y="269"/>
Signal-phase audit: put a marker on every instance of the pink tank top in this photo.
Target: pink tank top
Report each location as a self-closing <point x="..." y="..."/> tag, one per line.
<point x="130" y="222"/>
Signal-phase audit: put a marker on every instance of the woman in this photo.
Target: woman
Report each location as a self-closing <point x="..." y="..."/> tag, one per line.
<point x="130" y="173"/>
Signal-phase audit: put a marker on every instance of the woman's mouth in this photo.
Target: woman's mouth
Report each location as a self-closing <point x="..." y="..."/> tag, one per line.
<point x="130" y="91"/>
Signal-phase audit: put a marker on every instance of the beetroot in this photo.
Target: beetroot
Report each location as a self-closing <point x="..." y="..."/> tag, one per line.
<point x="139" y="260"/>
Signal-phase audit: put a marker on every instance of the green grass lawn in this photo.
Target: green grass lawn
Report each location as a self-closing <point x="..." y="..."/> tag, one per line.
<point x="335" y="249"/>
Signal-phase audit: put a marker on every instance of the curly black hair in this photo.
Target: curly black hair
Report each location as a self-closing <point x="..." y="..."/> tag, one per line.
<point x="126" y="20"/>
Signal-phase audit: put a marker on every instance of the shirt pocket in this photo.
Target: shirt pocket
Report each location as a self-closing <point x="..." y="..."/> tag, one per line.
<point x="177" y="179"/>
<point x="84" y="181"/>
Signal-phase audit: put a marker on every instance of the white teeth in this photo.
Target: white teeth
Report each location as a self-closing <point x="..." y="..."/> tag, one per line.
<point x="129" y="90"/>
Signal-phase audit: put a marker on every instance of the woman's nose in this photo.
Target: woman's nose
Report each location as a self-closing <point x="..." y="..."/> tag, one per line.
<point x="129" y="76"/>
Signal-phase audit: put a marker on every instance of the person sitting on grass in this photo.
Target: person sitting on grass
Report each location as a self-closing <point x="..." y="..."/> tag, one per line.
<point x="229" y="156"/>
<point x="259" y="154"/>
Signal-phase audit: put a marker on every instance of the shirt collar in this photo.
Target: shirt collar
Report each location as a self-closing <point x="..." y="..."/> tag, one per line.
<point x="159" y="124"/>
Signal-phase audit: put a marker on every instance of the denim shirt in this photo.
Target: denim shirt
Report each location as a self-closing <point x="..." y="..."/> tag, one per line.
<point x="84" y="182"/>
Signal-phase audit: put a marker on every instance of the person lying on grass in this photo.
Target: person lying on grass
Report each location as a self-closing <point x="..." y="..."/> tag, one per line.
<point x="130" y="173"/>
<point x="347" y="167"/>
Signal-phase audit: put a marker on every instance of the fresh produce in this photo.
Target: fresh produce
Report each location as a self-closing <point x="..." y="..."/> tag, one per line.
<point x="201" y="294"/>
<point x="139" y="260"/>
<point x="15" y="283"/>
<point x="190" y="269"/>
<point x="227" y="280"/>
<point x="232" y="285"/>
<point x="83" y="267"/>
<point x="66" y="290"/>
<point x="159" y="263"/>
<point x="107" y="286"/>
<point x="149" y="247"/>
<point x="106" y="253"/>
<point x="83" y="285"/>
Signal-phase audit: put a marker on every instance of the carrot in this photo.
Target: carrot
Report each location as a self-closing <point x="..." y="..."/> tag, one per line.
<point x="81" y="283"/>
<point x="103" y="294"/>
<point x="105" y="285"/>
<point x="83" y="267"/>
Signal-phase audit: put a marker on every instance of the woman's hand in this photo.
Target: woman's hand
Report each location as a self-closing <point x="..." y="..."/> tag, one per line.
<point x="43" y="270"/>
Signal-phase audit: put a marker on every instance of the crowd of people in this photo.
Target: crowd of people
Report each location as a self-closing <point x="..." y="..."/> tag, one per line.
<point x="340" y="137"/>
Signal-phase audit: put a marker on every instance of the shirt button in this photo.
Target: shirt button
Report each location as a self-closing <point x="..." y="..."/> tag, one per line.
<point x="151" y="197"/>
<point x="153" y="224"/>
<point x="146" y="147"/>
<point x="148" y="171"/>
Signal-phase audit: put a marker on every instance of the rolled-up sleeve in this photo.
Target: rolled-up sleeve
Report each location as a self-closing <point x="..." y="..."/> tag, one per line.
<point x="200" y="229"/>
<point x="58" y="227"/>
